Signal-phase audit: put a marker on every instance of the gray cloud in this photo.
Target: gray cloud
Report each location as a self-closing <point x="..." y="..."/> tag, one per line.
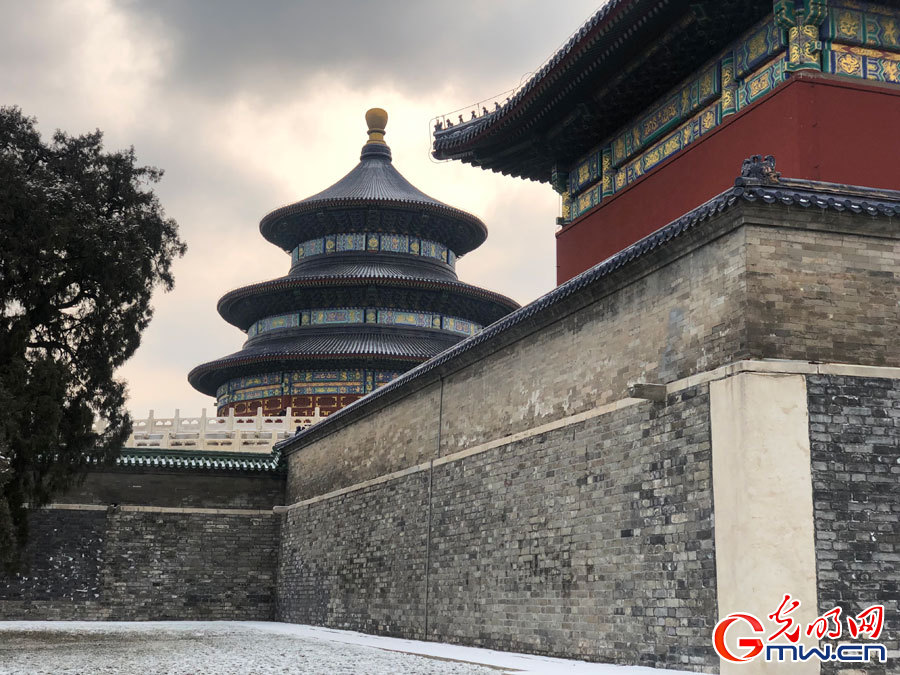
<point x="248" y="105"/>
<point x="273" y="47"/>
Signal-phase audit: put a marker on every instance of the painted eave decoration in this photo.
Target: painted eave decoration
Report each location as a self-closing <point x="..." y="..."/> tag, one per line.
<point x="632" y="54"/>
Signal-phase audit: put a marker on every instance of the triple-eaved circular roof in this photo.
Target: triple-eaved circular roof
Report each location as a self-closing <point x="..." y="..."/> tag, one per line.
<point x="368" y="263"/>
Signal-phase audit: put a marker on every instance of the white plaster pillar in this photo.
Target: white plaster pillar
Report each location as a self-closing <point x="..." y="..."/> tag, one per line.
<point x="762" y="492"/>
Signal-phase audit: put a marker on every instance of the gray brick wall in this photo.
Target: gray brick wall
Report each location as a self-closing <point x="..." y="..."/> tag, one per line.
<point x="855" y="442"/>
<point x="358" y="561"/>
<point x="594" y="540"/>
<point x="62" y="564"/>
<point x="684" y="317"/>
<point x="821" y="295"/>
<point x="191" y="566"/>
<point x="179" y="488"/>
<point x="144" y="566"/>
<point x="399" y="436"/>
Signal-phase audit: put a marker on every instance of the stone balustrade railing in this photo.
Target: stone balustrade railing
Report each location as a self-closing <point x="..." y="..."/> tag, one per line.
<point x="239" y="434"/>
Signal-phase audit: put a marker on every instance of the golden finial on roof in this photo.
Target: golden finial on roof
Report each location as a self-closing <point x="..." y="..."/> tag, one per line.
<point x="377" y="119"/>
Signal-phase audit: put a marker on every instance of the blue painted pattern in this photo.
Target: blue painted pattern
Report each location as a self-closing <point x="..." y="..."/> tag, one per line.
<point x="857" y="39"/>
<point x="350" y="242"/>
<point x="863" y="25"/>
<point x="356" y="315"/>
<point x="395" y="243"/>
<point x="373" y="241"/>
<point x="324" y="317"/>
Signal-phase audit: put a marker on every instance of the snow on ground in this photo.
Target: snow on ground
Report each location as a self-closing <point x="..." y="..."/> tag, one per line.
<point x="229" y="647"/>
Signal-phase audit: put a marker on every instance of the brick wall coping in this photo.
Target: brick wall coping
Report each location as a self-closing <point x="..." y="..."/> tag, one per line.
<point x="125" y="508"/>
<point x="759" y="184"/>
<point x="774" y="367"/>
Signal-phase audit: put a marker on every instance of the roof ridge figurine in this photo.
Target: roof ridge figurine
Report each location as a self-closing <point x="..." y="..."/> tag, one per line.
<point x="758" y="170"/>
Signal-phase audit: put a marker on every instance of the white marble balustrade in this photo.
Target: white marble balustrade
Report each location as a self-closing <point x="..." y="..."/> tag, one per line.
<point x="230" y="433"/>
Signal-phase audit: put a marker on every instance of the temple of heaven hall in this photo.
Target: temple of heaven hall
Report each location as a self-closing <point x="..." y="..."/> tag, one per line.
<point x="371" y="292"/>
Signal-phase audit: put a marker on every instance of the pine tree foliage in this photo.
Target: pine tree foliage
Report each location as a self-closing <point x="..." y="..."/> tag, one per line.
<point x="83" y="242"/>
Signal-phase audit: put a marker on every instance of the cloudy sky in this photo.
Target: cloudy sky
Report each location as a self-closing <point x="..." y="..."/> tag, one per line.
<point x="251" y="105"/>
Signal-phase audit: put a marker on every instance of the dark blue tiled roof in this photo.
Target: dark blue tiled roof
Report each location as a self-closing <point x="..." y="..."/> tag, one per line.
<point x="382" y="343"/>
<point x="376" y="179"/>
<point x="626" y="56"/>
<point x="372" y="184"/>
<point x="402" y="345"/>
<point x="457" y="135"/>
<point x="372" y="269"/>
<point x="233" y="308"/>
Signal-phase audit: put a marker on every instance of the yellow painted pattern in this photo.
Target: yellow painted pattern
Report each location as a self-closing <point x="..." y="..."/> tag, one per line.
<point x="849" y="25"/>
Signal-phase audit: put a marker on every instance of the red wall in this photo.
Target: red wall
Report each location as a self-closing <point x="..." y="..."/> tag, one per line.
<point x="817" y="127"/>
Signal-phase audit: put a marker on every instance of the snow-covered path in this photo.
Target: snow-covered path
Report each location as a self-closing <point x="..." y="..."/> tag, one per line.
<point x="227" y="648"/>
